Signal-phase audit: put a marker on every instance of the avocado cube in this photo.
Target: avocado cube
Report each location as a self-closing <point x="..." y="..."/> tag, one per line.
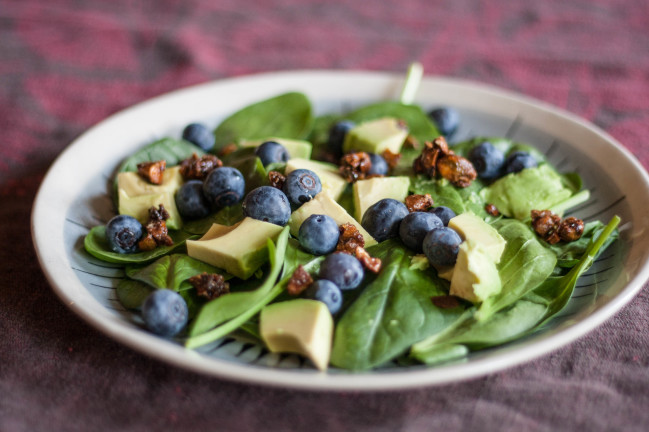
<point x="376" y="136"/>
<point x="239" y="249"/>
<point x="475" y="276"/>
<point x="295" y="148"/>
<point x="368" y="192"/>
<point x="136" y="195"/>
<point x="299" y="326"/>
<point x="472" y="227"/>
<point x="333" y="183"/>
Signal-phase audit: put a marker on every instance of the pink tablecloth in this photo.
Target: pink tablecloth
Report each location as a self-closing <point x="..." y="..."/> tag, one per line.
<point x="65" y="65"/>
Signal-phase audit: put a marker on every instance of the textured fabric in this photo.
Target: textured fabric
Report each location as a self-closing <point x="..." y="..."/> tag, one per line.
<point x="67" y="64"/>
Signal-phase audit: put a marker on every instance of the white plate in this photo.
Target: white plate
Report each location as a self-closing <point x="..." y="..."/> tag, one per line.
<point x="73" y="198"/>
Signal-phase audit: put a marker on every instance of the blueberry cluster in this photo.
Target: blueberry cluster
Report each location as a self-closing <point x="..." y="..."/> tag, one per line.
<point x="490" y="162"/>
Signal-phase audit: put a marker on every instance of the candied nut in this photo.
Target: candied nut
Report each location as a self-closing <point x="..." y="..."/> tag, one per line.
<point x="157" y="233"/>
<point x="491" y="209"/>
<point x="230" y="148"/>
<point x="418" y="202"/>
<point x="147" y="244"/>
<point x="350" y="238"/>
<point x="210" y="285"/>
<point x="456" y="169"/>
<point x="392" y="159"/>
<point x="445" y="301"/>
<point x="300" y="280"/>
<point x="546" y="224"/>
<point x="426" y="162"/>
<point x="198" y="168"/>
<point x="372" y="264"/>
<point x="354" y="166"/>
<point x="571" y="229"/>
<point x="276" y="179"/>
<point x="152" y="171"/>
<point x="411" y="142"/>
<point x="158" y="214"/>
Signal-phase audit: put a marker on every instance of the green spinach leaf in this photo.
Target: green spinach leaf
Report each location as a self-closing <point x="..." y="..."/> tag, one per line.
<point x="442" y="192"/>
<point x="171" y="150"/>
<point x="131" y="293"/>
<point x="226" y="216"/>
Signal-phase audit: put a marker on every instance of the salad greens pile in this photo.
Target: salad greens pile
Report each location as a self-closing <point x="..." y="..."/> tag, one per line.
<point x="391" y="316"/>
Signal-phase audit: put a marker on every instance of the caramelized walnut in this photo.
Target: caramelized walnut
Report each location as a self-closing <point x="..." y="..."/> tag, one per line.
<point x="300" y="280"/>
<point x="411" y="142"/>
<point x="392" y="159"/>
<point x="276" y="179"/>
<point x="456" y="169"/>
<point x="418" y="202"/>
<point x="157" y="233"/>
<point x="199" y="167"/>
<point x="350" y="239"/>
<point x="372" y="264"/>
<point x="354" y="166"/>
<point x="571" y="229"/>
<point x="152" y="171"/>
<point x="426" y="162"/>
<point x="546" y="224"/>
<point x="210" y="285"/>
<point x="491" y="209"/>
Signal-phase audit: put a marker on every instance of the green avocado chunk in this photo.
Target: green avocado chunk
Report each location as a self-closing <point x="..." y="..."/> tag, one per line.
<point x="376" y="136"/>
<point x="368" y="192"/>
<point x="475" y="276"/>
<point x="472" y="227"/>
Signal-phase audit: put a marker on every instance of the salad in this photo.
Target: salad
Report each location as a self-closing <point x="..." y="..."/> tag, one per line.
<point x="354" y="240"/>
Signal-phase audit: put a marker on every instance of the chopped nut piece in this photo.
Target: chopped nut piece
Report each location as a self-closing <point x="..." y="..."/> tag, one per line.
<point x="571" y="229"/>
<point x="158" y="214"/>
<point x="354" y="166"/>
<point x="445" y="301"/>
<point x="157" y="233"/>
<point x="426" y="162"/>
<point x="411" y="142"/>
<point x="419" y="202"/>
<point x="350" y="239"/>
<point x="456" y="169"/>
<point x="392" y="159"/>
<point x="152" y="171"/>
<point x="199" y="167"/>
<point x="230" y="148"/>
<point x="546" y="224"/>
<point x="300" y="280"/>
<point x="491" y="209"/>
<point x="210" y="285"/>
<point x="372" y="264"/>
<point x="276" y="179"/>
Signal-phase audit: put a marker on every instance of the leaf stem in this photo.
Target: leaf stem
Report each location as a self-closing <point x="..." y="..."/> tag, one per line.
<point x="413" y="79"/>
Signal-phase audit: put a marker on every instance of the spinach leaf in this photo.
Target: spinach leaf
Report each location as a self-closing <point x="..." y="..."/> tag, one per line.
<point x="393" y="311"/>
<point x="319" y="135"/>
<point x="568" y="254"/>
<point x="296" y="256"/>
<point x="288" y="116"/>
<point x="131" y="294"/>
<point x="524" y="264"/>
<point x="226" y="216"/>
<point x="420" y="125"/>
<point x="96" y="245"/>
<point x="442" y="192"/>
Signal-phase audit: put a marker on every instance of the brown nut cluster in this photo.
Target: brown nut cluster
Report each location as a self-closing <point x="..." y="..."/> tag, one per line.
<point x="437" y="159"/>
<point x="552" y="229"/>
<point x="300" y="280"/>
<point x="157" y="233"/>
<point x="491" y="210"/>
<point x="276" y="179"/>
<point x="370" y="263"/>
<point x="351" y="241"/>
<point x="392" y="159"/>
<point x="197" y="168"/>
<point x="418" y="202"/>
<point x="152" y="171"/>
<point x="210" y="285"/>
<point x="354" y="166"/>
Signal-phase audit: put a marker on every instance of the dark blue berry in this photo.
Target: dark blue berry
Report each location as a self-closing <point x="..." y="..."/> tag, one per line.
<point x="379" y="165"/>
<point x="441" y="246"/>
<point x="267" y="204"/>
<point x="123" y="233"/>
<point x="165" y="312"/>
<point x="337" y="134"/>
<point x="327" y="292"/>
<point x="191" y="201"/>
<point x="487" y="160"/>
<point x="271" y="152"/>
<point x="342" y="269"/>
<point x="319" y="234"/>
<point x="199" y="135"/>
<point x="224" y="186"/>
<point x="446" y="119"/>
<point x="301" y="185"/>
<point x="414" y="228"/>
<point x="444" y="213"/>
<point x="382" y="219"/>
<point x="518" y="161"/>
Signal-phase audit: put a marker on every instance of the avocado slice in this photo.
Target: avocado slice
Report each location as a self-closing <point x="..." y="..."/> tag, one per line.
<point x="299" y="326"/>
<point x="376" y="136"/>
<point x="332" y="182"/>
<point x="475" y="276"/>
<point x="472" y="227"/>
<point x="239" y="249"/>
<point x="136" y="195"/>
<point x="295" y="148"/>
<point x="368" y="192"/>
<point x="325" y="205"/>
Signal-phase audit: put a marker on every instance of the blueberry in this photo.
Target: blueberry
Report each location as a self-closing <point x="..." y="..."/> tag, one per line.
<point x="342" y="269"/>
<point x="487" y="160"/>
<point x="267" y="204"/>
<point x="271" y="152"/>
<point x="319" y="234"/>
<point x="444" y="213"/>
<point x="382" y="218"/>
<point x="123" y="233"/>
<point x="327" y="292"/>
<point x="165" y="312"/>
<point x="415" y="226"/>
<point x="337" y="134"/>
<point x="379" y="165"/>
<point x="441" y="246"/>
<point x="301" y="185"/>
<point x="199" y="135"/>
<point x="224" y="186"/>
<point x="191" y="201"/>
<point x="446" y="119"/>
<point x="518" y="161"/>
